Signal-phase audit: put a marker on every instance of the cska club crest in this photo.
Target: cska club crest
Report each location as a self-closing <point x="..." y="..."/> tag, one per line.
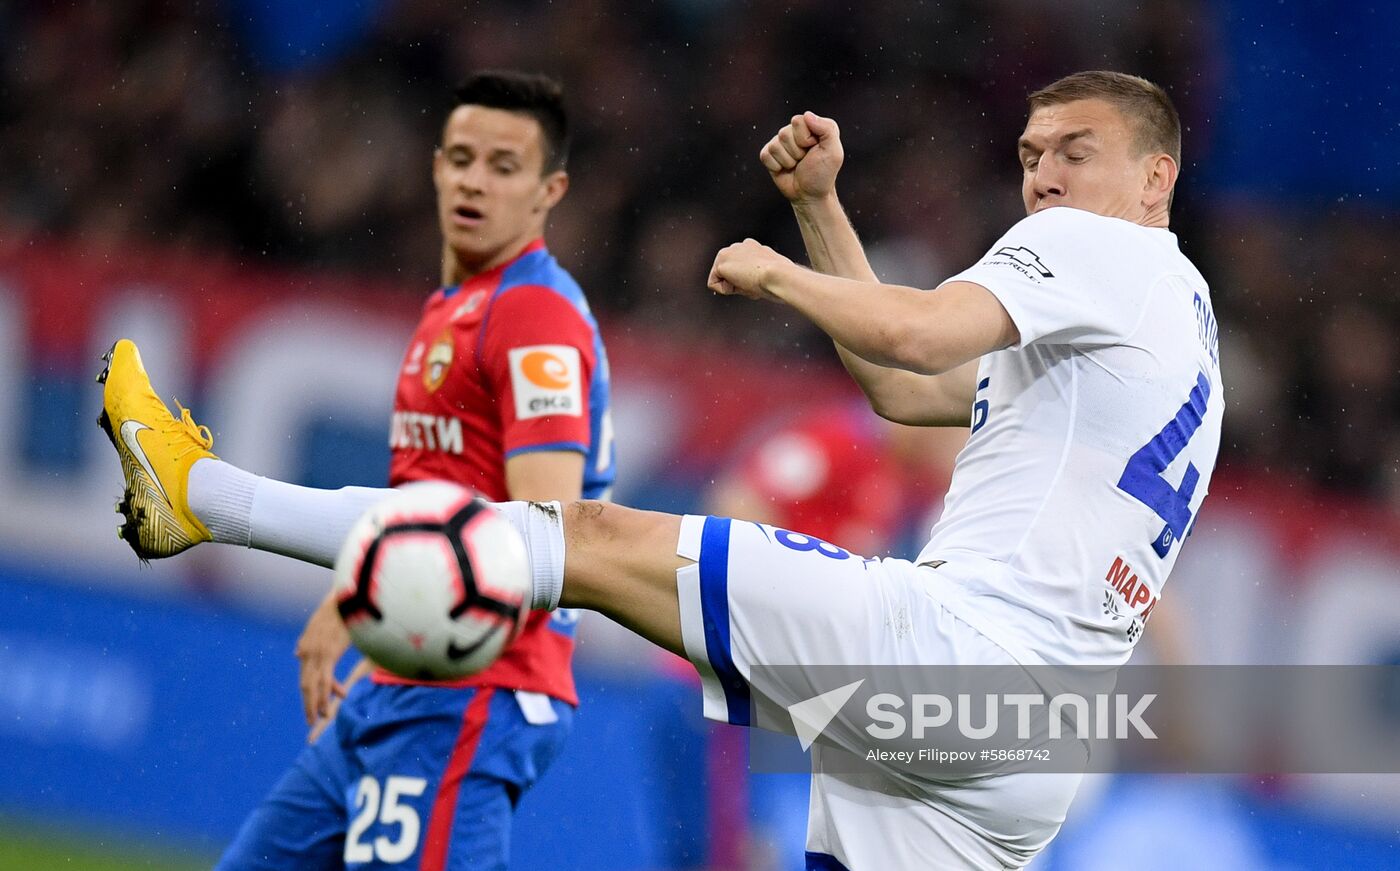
<point x="438" y="361"/>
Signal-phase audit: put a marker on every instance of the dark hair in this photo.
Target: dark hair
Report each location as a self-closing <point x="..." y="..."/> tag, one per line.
<point x="533" y="94"/>
<point x="1146" y="106"/>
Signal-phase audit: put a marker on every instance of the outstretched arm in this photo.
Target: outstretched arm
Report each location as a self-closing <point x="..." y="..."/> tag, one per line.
<point x="924" y="332"/>
<point x="918" y="333"/>
<point x="804" y="158"/>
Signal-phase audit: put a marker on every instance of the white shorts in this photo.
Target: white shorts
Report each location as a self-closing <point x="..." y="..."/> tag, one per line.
<point x="756" y="595"/>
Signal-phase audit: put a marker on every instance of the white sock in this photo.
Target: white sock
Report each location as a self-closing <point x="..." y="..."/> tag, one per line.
<point x="221" y="496"/>
<point x="305" y="523"/>
<point x="541" y="524"/>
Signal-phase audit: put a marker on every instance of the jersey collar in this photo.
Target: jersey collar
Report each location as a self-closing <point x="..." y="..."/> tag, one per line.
<point x="493" y="274"/>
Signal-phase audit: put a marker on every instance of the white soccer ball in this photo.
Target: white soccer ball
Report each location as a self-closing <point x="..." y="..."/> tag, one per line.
<point x="432" y="582"/>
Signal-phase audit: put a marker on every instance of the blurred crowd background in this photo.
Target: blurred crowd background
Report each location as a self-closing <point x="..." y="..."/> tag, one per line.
<point x="244" y="187"/>
<point x="301" y="134"/>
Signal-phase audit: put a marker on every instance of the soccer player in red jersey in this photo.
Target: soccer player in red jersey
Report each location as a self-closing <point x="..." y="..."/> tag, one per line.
<point x="504" y="388"/>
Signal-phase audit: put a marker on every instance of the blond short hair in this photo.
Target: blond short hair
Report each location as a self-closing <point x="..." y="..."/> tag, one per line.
<point x="1157" y="127"/>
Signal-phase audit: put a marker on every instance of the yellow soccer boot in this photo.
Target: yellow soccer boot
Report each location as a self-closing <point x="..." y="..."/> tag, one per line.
<point x="156" y="451"/>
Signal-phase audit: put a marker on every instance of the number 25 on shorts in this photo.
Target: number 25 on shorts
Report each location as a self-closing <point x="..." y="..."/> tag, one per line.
<point x="368" y="808"/>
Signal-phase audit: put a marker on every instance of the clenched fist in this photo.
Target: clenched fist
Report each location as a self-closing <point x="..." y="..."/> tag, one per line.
<point x="804" y="157"/>
<point x="745" y="268"/>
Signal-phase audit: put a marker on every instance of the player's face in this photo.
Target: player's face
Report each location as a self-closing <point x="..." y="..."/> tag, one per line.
<point x="1082" y="154"/>
<point x="492" y="194"/>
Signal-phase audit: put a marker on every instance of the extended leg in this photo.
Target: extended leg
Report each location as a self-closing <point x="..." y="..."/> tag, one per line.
<point x="305" y="523"/>
<point x="622" y="562"/>
<point x="177" y="493"/>
<point x="618" y="560"/>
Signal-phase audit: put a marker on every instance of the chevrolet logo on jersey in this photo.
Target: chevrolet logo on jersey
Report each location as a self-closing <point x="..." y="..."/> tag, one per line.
<point x="1026" y="257"/>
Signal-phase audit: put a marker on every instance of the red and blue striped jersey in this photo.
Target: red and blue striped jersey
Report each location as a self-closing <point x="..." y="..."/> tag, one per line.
<point x="506" y="363"/>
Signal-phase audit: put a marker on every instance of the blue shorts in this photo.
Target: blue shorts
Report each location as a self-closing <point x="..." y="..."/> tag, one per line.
<point x="408" y="777"/>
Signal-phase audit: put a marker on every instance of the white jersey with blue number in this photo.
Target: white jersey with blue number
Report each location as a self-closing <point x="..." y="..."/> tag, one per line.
<point x="1093" y="439"/>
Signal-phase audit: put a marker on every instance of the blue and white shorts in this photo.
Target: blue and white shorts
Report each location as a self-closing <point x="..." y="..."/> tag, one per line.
<point x="759" y="595"/>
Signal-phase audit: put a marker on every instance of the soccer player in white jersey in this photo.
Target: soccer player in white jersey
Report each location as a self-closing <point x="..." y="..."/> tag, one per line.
<point x="1081" y="348"/>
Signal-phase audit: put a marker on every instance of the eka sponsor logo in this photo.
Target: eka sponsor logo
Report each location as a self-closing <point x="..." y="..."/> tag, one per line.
<point x="546" y="380"/>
